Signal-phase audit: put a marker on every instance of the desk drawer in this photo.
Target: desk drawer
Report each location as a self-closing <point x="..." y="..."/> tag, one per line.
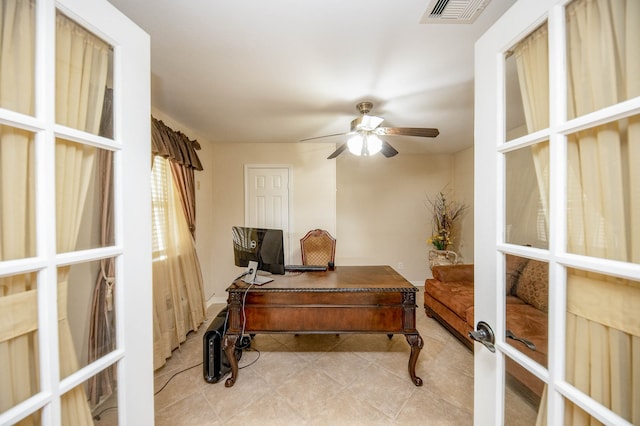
<point x="325" y="298"/>
<point x="327" y="319"/>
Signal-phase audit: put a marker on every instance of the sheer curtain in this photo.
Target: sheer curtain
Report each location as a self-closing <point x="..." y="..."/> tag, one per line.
<point x="81" y="64"/>
<point x="603" y="343"/>
<point x="179" y="304"/>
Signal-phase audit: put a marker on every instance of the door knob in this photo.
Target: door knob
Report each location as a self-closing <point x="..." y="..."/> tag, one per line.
<point x="509" y="334"/>
<point x="484" y="334"/>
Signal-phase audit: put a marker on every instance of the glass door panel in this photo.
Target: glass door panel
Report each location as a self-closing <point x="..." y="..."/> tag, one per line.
<point x="17" y="198"/>
<point x="521" y="403"/>
<point x="17" y="55"/>
<point x="603" y="347"/>
<point x="90" y="312"/>
<point x="84" y="196"/>
<point x="602" y="64"/>
<point x="527" y="195"/>
<point x="527" y="306"/>
<point x="19" y="364"/>
<point x="527" y="93"/>
<point x="84" y="68"/>
<point x="602" y="214"/>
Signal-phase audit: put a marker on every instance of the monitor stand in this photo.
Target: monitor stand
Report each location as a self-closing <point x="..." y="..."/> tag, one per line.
<point x="252" y="277"/>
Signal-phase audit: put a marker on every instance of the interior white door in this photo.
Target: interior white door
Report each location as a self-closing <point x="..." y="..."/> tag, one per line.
<point x="556" y="189"/>
<point x="44" y="124"/>
<point x="267" y="199"/>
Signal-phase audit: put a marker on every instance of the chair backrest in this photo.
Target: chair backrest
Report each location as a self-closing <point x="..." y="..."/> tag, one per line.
<point x="318" y="247"/>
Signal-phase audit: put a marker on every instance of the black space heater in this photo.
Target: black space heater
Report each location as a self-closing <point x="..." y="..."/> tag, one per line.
<point x="215" y="362"/>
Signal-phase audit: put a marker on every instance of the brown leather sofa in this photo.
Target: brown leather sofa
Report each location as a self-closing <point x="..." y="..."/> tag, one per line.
<point x="448" y="298"/>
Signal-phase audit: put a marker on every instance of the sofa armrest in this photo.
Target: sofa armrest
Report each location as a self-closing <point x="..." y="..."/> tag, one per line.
<point x="449" y="273"/>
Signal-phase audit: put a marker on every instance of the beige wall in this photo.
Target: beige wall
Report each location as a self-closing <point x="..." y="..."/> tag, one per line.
<point x="383" y="218"/>
<point x="463" y="184"/>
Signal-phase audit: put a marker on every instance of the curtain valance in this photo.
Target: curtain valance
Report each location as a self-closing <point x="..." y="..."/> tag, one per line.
<point x="174" y="145"/>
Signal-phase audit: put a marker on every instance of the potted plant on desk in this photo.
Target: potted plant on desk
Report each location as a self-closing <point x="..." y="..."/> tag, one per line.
<point x="445" y="214"/>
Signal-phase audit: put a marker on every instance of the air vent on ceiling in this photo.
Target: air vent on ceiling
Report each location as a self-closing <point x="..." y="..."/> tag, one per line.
<point x="453" y="11"/>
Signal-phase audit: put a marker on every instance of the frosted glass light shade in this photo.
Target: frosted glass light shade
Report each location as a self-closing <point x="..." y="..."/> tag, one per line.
<point x="364" y="145"/>
<point x="355" y="144"/>
<point x="373" y="145"/>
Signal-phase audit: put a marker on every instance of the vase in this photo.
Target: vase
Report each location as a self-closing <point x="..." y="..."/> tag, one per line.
<point x="442" y="257"/>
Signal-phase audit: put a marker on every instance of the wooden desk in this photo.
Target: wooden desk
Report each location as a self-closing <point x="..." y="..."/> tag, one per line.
<point x="351" y="299"/>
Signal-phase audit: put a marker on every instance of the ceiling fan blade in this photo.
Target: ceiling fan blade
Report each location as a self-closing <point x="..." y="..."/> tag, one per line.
<point x="325" y="136"/>
<point x="408" y="131"/>
<point x="387" y="150"/>
<point x="338" y="151"/>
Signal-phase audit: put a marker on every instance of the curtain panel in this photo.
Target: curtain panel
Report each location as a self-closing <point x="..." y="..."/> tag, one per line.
<point x="178" y="292"/>
<point x="179" y="303"/>
<point x="181" y="151"/>
<point x="173" y="145"/>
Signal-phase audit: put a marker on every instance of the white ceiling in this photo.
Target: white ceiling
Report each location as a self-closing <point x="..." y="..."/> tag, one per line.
<point x="285" y="70"/>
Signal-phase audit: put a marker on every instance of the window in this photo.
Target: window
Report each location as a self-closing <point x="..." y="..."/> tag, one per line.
<point x="159" y="206"/>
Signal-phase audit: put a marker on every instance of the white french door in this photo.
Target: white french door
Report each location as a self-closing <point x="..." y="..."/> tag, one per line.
<point x="557" y="133"/>
<point x="74" y="108"/>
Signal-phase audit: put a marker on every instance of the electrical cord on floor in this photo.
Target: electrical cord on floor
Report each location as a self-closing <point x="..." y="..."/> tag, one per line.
<point x="252" y="362"/>
<point x="245" y="348"/>
<point x="174" y="375"/>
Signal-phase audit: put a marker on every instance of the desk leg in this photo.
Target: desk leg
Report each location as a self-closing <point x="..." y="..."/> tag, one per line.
<point x="229" y="347"/>
<point x="416" y="343"/>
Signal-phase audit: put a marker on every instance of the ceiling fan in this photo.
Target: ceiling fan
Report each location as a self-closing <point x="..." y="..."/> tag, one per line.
<point x="365" y="131"/>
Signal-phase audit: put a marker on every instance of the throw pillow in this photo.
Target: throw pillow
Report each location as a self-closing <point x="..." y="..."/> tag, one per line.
<point x="533" y="286"/>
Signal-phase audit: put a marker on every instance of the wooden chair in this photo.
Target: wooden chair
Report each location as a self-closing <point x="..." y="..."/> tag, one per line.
<point x="318" y="247"/>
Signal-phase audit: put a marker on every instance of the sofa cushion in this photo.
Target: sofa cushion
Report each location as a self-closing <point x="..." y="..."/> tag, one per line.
<point x="457" y="296"/>
<point x="529" y="323"/>
<point x="533" y="285"/>
<point x="446" y="273"/>
<point x="469" y="313"/>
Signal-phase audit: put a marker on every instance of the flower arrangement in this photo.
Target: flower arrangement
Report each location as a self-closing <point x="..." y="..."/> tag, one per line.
<point x="445" y="213"/>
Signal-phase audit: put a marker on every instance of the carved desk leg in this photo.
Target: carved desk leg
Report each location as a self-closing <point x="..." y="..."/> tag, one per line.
<point x="229" y="347"/>
<point x="416" y="343"/>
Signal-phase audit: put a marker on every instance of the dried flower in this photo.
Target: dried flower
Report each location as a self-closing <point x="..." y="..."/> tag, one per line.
<point x="445" y="213"/>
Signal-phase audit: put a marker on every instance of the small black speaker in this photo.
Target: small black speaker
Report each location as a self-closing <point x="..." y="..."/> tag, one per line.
<point x="215" y="364"/>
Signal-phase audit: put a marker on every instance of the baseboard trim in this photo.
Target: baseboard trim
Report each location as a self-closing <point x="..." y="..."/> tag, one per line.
<point x="214" y="300"/>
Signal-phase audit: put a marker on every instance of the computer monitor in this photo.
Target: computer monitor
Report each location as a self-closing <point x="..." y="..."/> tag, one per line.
<point x="265" y="246"/>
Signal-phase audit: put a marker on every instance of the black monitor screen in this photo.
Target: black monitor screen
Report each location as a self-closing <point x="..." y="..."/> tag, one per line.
<point x="261" y="245"/>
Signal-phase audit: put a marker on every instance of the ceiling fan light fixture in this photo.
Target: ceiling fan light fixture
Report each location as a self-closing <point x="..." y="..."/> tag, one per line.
<point x="364" y="145"/>
<point x="373" y="145"/>
<point x="355" y="144"/>
<point x="365" y="130"/>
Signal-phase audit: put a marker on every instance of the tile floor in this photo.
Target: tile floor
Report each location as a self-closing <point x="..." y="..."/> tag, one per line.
<point x="326" y="380"/>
